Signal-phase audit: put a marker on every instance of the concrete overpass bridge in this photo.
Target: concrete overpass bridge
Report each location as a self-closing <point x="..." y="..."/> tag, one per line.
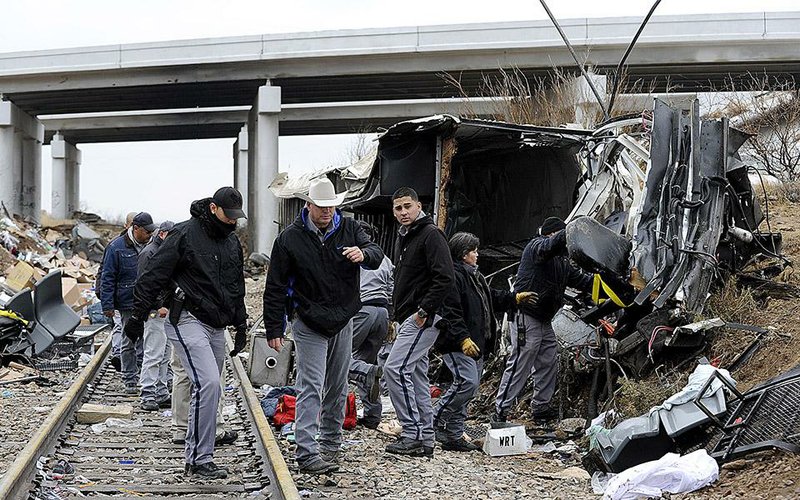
<point x="269" y="74"/>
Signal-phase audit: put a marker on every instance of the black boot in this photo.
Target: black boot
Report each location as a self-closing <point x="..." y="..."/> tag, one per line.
<point x="208" y="470"/>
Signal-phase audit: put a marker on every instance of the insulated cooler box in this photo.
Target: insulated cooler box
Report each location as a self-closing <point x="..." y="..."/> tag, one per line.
<point x="634" y="441"/>
<point x="268" y="366"/>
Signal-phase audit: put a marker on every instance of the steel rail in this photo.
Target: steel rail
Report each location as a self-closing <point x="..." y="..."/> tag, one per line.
<point x="16" y="483"/>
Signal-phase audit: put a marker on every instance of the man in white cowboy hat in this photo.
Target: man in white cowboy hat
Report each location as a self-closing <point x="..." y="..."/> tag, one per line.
<point x="313" y="281"/>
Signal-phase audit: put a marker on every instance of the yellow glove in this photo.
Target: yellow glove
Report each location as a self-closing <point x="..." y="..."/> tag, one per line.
<point x="529" y="298"/>
<point x="469" y="348"/>
<point x="391" y="334"/>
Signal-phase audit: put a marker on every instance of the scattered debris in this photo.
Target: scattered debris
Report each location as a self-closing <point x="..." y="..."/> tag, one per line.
<point x="93" y="414"/>
<point x="672" y="473"/>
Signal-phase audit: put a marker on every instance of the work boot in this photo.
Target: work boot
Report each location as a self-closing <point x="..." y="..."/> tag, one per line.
<point x="408" y="446"/>
<point x="165" y="404"/>
<point x="374" y="383"/>
<point x="116" y="363"/>
<point x="459" y="445"/>
<point x="369" y="422"/>
<point x="131" y="389"/>
<point x="545" y="415"/>
<point x="318" y="466"/>
<point x="228" y="437"/>
<point x="498" y="417"/>
<point x="330" y="456"/>
<point x="208" y="470"/>
<point x="149" y="405"/>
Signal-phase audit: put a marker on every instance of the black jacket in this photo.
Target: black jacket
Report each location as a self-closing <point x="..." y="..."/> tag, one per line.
<point x="206" y="262"/>
<point x="470" y="309"/>
<point x="144" y="257"/>
<point x="546" y="270"/>
<point x="423" y="273"/>
<point x="313" y="278"/>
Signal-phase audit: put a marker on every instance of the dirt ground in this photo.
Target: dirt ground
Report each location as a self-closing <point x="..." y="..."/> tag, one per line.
<point x="774" y="474"/>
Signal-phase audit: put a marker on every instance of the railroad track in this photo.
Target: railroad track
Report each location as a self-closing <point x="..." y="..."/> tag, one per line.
<point x="142" y="462"/>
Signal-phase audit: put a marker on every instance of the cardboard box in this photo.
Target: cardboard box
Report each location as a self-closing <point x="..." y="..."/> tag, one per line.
<point x="22" y="275"/>
<point x="506" y="440"/>
<point x="70" y="292"/>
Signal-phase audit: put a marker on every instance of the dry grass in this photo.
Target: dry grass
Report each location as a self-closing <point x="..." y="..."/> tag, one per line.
<point x="732" y="303"/>
<point x="636" y="397"/>
<point x="545" y="101"/>
<point x="788" y="192"/>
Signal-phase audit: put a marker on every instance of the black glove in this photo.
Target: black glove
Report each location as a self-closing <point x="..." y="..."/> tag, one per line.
<point x="240" y="340"/>
<point x="134" y="328"/>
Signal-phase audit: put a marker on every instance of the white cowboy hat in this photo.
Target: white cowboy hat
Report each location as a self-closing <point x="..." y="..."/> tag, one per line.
<point x="322" y="194"/>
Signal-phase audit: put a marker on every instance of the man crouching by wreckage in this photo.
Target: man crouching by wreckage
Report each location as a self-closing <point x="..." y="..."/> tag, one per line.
<point x="544" y="269"/>
<point x="314" y="277"/>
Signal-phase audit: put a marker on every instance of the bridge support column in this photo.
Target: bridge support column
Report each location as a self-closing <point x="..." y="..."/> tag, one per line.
<point x="587" y="109"/>
<point x="73" y="179"/>
<point x="66" y="177"/>
<point x="240" y="167"/>
<point x="262" y="161"/>
<point x="32" y="178"/>
<point x="21" y="137"/>
<point x="58" y="151"/>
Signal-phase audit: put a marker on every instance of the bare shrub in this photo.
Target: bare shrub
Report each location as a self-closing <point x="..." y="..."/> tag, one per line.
<point x="769" y="108"/>
<point x="549" y="101"/>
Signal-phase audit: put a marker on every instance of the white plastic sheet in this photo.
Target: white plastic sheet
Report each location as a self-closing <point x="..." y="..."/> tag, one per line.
<point x="696" y="381"/>
<point x="672" y="473"/>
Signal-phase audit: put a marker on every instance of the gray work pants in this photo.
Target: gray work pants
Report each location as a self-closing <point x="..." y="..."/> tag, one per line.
<point x="322" y="366"/>
<point x="182" y="396"/>
<point x="370" y="326"/>
<point x="130" y="354"/>
<point x="201" y="349"/>
<point x="451" y="409"/>
<point x="383" y="355"/>
<point x="537" y="358"/>
<point x="116" y="334"/>
<point x="406" y="375"/>
<point x="155" y="360"/>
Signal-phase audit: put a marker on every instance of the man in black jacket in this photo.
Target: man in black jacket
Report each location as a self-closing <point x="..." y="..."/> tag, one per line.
<point x="423" y="277"/>
<point x="203" y="258"/>
<point x="469" y="309"/>
<point x="546" y="270"/>
<point x="313" y="277"/>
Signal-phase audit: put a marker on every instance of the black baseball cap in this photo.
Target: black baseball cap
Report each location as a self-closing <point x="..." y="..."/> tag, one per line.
<point x="144" y="221"/>
<point x="230" y="201"/>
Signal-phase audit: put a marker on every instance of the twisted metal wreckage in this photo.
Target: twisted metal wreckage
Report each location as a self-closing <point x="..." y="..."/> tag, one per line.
<point x="659" y="206"/>
<point x="658" y="225"/>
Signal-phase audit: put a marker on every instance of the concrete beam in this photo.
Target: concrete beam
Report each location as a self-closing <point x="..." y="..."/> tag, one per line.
<point x="308" y="119"/>
<point x="672" y="41"/>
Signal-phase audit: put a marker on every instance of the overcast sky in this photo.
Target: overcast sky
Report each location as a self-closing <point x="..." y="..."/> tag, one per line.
<point x="164" y="177"/>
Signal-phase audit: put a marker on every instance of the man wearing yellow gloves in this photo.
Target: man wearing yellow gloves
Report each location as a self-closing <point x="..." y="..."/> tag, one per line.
<point x="544" y="269"/>
<point x="469" y="309"/>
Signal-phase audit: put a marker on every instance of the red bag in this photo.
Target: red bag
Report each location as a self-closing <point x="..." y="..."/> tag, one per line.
<point x="350" y="415"/>
<point x="284" y="413"/>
